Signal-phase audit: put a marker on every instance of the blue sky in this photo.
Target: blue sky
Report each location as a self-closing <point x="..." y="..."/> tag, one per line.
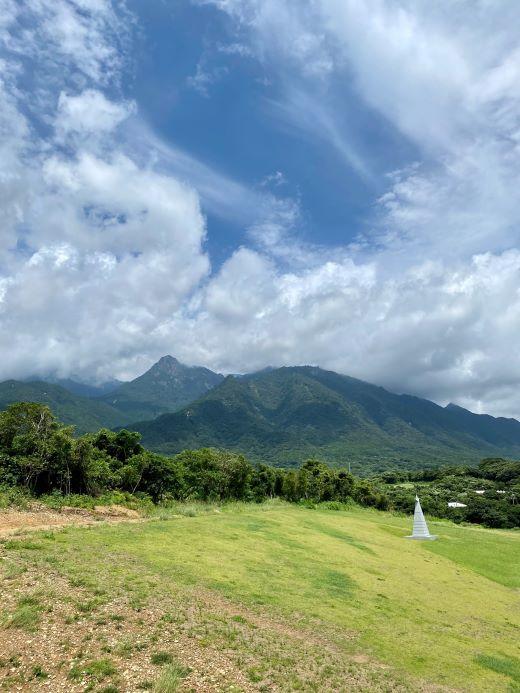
<point x="244" y="183"/>
<point x="199" y="87"/>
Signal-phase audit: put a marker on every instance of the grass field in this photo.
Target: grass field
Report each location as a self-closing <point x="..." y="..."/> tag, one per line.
<point x="271" y="597"/>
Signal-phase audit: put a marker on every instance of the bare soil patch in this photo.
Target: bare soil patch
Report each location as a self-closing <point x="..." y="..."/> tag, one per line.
<point x="75" y="634"/>
<point x="40" y="518"/>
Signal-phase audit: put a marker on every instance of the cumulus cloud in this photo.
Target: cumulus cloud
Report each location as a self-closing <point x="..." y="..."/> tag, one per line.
<point x="437" y="329"/>
<point x="103" y="266"/>
<point x="76" y="40"/>
<point x="97" y="250"/>
<point x="88" y="114"/>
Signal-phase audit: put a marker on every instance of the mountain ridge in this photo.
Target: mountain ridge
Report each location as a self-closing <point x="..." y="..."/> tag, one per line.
<point x="282" y="416"/>
<point x="84" y="413"/>
<point x="166" y="386"/>
<point x="291" y="413"/>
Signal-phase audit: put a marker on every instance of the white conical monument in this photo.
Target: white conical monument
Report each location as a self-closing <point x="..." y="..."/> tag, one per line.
<point x="420" y="528"/>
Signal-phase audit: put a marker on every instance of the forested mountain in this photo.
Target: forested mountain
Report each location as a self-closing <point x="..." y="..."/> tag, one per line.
<point x="286" y="415"/>
<point x="77" y="387"/>
<point x="166" y="387"/>
<point x="281" y="416"/>
<point x="84" y="413"/>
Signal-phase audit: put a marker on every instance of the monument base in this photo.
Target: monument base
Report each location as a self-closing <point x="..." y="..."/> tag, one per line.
<point x="432" y="537"/>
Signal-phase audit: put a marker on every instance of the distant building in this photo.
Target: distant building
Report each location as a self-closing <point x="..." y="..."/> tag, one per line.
<point x="480" y="492"/>
<point x="456" y="504"/>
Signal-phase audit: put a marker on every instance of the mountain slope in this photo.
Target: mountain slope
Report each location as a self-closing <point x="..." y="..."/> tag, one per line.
<point x="79" y="388"/>
<point x="84" y="413"/>
<point x="166" y="387"/>
<point x="286" y="415"/>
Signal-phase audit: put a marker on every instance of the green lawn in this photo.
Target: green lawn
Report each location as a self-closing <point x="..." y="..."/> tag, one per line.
<point x="443" y="612"/>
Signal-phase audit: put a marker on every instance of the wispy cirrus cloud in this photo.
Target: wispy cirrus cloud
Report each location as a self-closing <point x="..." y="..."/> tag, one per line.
<point x="308" y="113"/>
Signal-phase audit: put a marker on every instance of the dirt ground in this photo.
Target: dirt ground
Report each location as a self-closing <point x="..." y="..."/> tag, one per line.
<point x="70" y="638"/>
<point x="16" y="521"/>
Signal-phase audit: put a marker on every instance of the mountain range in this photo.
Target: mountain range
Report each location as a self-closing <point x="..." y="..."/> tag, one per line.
<point x="167" y="386"/>
<point x="287" y="415"/>
<point x="281" y="416"/>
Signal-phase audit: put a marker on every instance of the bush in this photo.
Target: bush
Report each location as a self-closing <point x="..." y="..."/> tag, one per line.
<point x="14" y="497"/>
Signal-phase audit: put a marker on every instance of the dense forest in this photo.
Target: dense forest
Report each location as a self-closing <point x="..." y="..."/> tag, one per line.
<point x="42" y="456"/>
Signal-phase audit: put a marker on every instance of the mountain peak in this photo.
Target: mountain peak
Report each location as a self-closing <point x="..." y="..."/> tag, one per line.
<point x="168" y="359"/>
<point x="165" y="387"/>
<point x="166" y="363"/>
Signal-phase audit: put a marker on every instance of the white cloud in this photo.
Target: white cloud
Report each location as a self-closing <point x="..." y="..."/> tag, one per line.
<point x="83" y="36"/>
<point x="205" y="77"/>
<point x="98" y="251"/>
<point x="440" y="315"/>
<point x="274" y="179"/>
<point x="102" y="261"/>
<point x="308" y="113"/>
<point x="89" y="114"/>
<point x="445" y="331"/>
<point x="238" y="49"/>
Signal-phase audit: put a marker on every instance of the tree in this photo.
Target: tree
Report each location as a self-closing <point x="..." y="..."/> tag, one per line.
<point x="343" y="485"/>
<point x="156" y="475"/>
<point x="120" y="446"/>
<point x="93" y="472"/>
<point x="25" y="425"/>
<point x="290" y="486"/>
<point x="212" y="474"/>
<point x="263" y="482"/>
<point x="316" y="481"/>
<point x="499" y="469"/>
<point x="366" y="494"/>
<point x="41" y="446"/>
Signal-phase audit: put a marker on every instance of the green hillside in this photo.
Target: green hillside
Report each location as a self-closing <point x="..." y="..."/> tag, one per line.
<point x="83" y="389"/>
<point x="287" y="415"/>
<point x="82" y="412"/>
<point x="265" y="597"/>
<point x="282" y="416"/>
<point x="167" y="386"/>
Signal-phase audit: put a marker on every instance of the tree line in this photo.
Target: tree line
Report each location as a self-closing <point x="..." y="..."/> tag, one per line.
<point x="41" y="455"/>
